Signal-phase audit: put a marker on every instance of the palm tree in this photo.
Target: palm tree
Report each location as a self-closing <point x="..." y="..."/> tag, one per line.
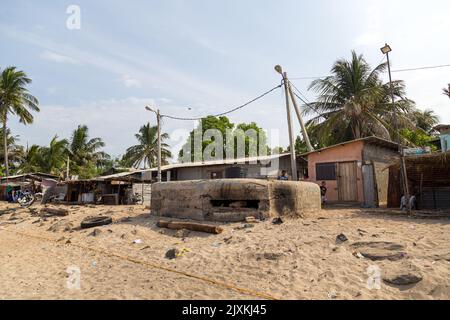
<point x="353" y="103"/>
<point x="54" y="156"/>
<point x="146" y="152"/>
<point x="424" y="120"/>
<point x="447" y="91"/>
<point x="84" y="152"/>
<point x="15" y="151"/>
<point x="15" y="100"/>
<point x="32" y="160"/>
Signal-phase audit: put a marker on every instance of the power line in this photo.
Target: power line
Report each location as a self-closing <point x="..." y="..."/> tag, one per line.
<point x="398" y="70"/>
<point x="226" y="112"/>
<point x="307" y="103"/>
<point x="422" y="68"/>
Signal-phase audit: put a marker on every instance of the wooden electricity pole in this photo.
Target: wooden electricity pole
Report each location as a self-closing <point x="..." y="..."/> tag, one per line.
<point x="300" y="119"/>
<point x="289" y="121"/>
<point x="158" y="121"/>
<point x="68" y="168"/>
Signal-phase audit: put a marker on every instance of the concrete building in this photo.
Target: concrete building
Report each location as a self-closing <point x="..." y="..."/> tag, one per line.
<point x="444" y="136"/>
<point x="354" y="171"/>
<point x="263" y="167"/>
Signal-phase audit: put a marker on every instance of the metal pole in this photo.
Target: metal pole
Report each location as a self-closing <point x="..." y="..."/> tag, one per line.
<point x="300" y="120"/>
<point x="404" y="176"/>
<point x="158" y="117"/>
<point x="289" y="120"/>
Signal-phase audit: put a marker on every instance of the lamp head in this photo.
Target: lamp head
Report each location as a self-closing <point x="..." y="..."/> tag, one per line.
<point x="386" y="49"/>
<point x="279" y="69"/>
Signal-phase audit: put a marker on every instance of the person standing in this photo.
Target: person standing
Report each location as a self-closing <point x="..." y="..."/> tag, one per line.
<point x="323" y="192"/>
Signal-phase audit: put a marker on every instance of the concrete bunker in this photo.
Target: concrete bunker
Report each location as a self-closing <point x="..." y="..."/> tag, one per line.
<point x="233" y="199"/>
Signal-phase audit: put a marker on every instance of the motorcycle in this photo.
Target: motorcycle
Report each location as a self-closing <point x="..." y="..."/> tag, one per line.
<point x="26" y="199"/>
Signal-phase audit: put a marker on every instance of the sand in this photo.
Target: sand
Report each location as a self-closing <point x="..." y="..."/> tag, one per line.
<point x="298" y="259"/>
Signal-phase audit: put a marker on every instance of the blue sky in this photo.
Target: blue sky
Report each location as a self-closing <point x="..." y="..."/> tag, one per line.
<point x="206" y="55"/>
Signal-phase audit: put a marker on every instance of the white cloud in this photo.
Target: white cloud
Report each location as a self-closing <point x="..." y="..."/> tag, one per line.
<point x="129" y="81"/>
<point x="58" y="58"/>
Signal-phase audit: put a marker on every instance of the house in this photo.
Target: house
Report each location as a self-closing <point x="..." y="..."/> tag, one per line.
<point x="354" y="171"/>
<point x="428" y="179"/>
<point x="444" y="136"/>
<point x="261" y="167"/>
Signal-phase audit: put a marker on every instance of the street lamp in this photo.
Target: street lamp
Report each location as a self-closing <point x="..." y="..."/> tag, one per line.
<point x="385" y="50"/>
<point x="158" y="120"/>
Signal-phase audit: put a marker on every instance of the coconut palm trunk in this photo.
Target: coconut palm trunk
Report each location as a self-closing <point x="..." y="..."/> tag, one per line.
<point x="5" y="146"/>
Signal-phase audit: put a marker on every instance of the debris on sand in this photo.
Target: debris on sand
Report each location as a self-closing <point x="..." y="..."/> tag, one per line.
<point x="95" y="233"/>
<point x="90" y="222"/>
<point x="251" y="219"/>
<point x="194" y="226"/>
<point x="403" y="279"/>
<point x="172" y="253"/>
<point x="341" y="238"/>
<point x="277" y="220"/>
<point x="62" y="225"/>
<point x="50" y="212"/>
<point x="379" y="250"/>
<point x="182" y="233"/>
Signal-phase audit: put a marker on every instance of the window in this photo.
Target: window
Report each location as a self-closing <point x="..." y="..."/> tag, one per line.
<point x="326" y="171"/>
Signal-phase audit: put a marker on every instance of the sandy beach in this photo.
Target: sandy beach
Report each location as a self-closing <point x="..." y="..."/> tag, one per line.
<point x="298" y="259"/>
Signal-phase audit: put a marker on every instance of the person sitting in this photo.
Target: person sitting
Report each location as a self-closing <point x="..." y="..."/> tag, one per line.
<point x="283" y="175"/>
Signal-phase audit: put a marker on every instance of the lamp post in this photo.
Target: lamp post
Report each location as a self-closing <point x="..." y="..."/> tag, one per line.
<point x="385" y="50"/>
<point x="158" y="120"/>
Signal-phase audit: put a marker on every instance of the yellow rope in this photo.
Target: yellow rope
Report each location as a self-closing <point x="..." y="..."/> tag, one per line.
<point x="156" y="266"/>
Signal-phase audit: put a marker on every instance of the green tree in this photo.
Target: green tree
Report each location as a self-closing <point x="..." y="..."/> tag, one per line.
<point x="15" y="99"/>
<point x="418" y="138"/>
<point x="54" y="156"/>
<point x="354" y="102"/>
<point x="15" y="151"/>
<point x="32" y="160"/>
<point x="227" y="130"/>
<point x="85" y="154"/>
<point x="146" y="151"/>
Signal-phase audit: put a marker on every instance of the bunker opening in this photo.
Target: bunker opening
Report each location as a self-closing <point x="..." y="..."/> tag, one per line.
<point x="249" y="204"/>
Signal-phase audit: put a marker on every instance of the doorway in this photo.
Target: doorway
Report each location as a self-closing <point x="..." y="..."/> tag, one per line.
<point x="347" y="183"/>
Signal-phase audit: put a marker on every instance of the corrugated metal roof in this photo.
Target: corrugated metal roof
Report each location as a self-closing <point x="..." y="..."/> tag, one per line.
<point x="371" y="139"/>
<point x="216" y="162"/>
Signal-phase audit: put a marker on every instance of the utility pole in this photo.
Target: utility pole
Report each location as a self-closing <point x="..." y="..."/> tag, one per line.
<point x="300" y="119"/>
<point x="386" y="49"/>
<point x="158" y="117"/>
<point x="68" y="167"/>
<point x="289" y="120"/>
<point x="158" y="121"/>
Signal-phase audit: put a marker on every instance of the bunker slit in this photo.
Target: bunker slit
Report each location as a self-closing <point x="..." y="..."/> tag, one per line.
<point x="250" y="204"/>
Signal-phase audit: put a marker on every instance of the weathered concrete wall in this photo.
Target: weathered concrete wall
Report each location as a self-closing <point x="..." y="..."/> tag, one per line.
<point x="233" y="199"/>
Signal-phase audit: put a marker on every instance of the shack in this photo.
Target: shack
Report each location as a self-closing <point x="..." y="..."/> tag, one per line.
<point x="428" y="179"/>
<point x="34" y="182"/>
<point x="354" y="171"/>
<point x="111" y="189"/>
